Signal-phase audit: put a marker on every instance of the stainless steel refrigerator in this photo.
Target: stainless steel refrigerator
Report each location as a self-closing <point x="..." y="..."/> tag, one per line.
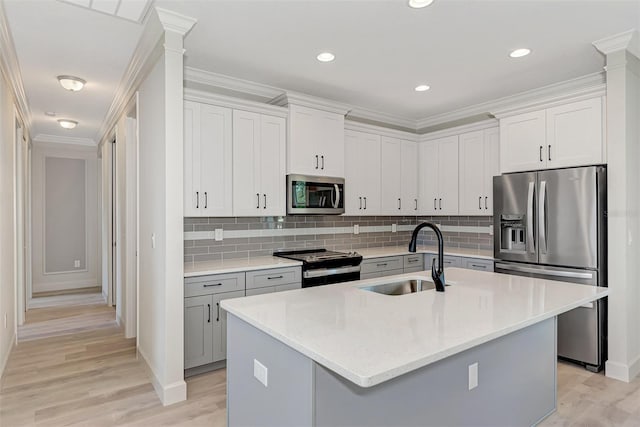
<point x="552" y="224"/>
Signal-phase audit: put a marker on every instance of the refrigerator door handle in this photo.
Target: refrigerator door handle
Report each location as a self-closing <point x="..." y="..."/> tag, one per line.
<point x="542" y="217"/>
<point x="542" y="271"/>
<point x="530" y="196"/>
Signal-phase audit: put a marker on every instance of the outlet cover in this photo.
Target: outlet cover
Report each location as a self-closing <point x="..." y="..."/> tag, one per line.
<point x="219" y="234"/>
<point x="491" y="230"/>
<point x="473" y="376"/>
<point x="76" y="263"/>
<point x="356" y="229"/>
<point x="260" y="372"/>
<point x="394" y="228"/>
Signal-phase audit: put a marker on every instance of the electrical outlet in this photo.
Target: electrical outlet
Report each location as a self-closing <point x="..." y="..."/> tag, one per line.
<point x="394" y="228"/>
<point x="219" y="234"/>
<point x="76" y="263"/>
<point x="153" y="240"/>
<point x="491" y="230"/>
<point x="260" y="372"/>
<point x="473" y="376"/>
<point x="356" y="229"/>
<point x="5" y="320"/>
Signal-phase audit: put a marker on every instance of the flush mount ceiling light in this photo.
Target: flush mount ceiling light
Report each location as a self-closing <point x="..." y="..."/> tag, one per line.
<point x="419" y="4"/>
<point x="68" y="124"/>
<point x="71" y="83"/>
<point x="422" y="88"/>
<point x="326" y="57"/>
<point x="519" y="53"/>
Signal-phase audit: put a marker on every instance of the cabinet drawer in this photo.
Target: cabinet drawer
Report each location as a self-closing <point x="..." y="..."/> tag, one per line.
<point x="411" y="262"/>
<point x="215" y="284"/>
<point x="260" y="291"/>
<point x="289" y="287"/>
<point x="449" y="261"/>
<point x="273" y="277"/>
<point x="478" y="264"/>
<point x="413" y="269"/>
<point x="381" y="264"/>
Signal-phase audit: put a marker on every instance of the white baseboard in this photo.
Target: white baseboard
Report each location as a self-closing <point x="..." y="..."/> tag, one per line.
<point x="169" y="394"/>
<point x="622" y="372"/>
<point x="5" y="357"/>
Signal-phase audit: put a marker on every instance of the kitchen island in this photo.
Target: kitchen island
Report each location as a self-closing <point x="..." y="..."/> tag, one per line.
<point x="481" y="353"/>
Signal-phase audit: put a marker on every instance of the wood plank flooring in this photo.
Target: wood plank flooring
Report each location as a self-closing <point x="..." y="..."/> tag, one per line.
<point x="91" y="377"/>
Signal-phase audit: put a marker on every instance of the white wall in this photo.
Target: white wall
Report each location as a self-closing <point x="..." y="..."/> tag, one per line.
<point x="7" y="224"/>
<point x="87" y="275"/>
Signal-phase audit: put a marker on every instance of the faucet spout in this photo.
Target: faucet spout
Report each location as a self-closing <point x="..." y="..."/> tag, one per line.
<point x="437" y="274"/>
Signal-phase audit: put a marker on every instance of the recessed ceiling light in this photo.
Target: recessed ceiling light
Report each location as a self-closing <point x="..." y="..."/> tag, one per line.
<point x="50" y="113"/>
<point x="326" y="57"/>
<point x="67" y="124"/>
<point x="422" y="88"/>
<point x="71" y="83"/>
<point x="519" y="53"/>
<point x="418" y="4"/>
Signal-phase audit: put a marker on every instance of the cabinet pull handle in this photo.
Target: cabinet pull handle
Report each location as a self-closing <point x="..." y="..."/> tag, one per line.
<point x="360" y="198"/>
<point x="549" y="152"/>
<point x="316" y="161"/>
<point x="541" y="153"/>
<point x="212" y="285"/>
<point x="275" y="277"/>
<point x="265" y="201"/>
<point x="416" y="208"/>
<point x="209" y="309"/>
<point x="478" y="266"/>
<point x="322" y="157"/>
<point x="383" y="264"/>
<point x="365" y="202"/>
<point x="218" y="309"/>
<point x="434" y="204"/>
<point x="486" y="198"/>
<point x="412" y="260"/>
<point x="258" y="201"/>
<point x="206" y="200"/>
<point x="197" y="200"/>
<point x="399" y="204"/>
<point x="440" y="204"/>
<point x="479" y="202"/>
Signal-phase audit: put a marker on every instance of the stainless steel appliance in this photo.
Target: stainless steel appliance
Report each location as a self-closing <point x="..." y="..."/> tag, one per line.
<point x="323" y="267"/>
<point x="552" y="224"/>
<point x="310" y="195"/>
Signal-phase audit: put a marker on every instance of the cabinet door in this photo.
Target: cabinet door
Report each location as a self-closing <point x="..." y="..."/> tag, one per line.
<point x="390" y="176"/>
<point x="491" y="166"/>
<point x="409" y="178"/>
<point x="523" y="142"/>
<point x="303" y="142"/>
<point x="219" y="316"/>
<point x="574" y="134"/>
<point x="191" y="155"/>
<point x="246" y="164"/>
<point x="330" y="129"/>
<point x="272" y="165"/>
<point x="428" y="178"/>
<point x="369" y="157"/>
<point x="448" y="176"/>
<point x="472" y="173"/>
<point x="198" y="331"/>
<point x="216" y="157"/>
<point x="353" y="173"/>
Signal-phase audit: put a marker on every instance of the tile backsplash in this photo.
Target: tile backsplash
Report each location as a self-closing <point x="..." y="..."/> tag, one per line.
<point x="248" y="237"/>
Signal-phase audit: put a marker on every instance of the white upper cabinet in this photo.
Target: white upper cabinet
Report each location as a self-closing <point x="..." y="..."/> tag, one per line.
<point x="438" y="176"/>
<point x="409" y="178"/>
<point x="479" y="155"/>
<point x="316" y="142"/>
<point x="362" y="180"/>
<point x="258" y="164"/>
<point x="207" y="160"/>
<point x="562" y="136"/>
<point x="399" y="177"/>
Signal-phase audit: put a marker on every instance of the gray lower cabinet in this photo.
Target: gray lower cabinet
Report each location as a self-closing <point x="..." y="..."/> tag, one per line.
<point x="271" y="289"/>
<point x="413" y="263"/>
<point x="449" y="261"/>
<point x="478" y="264"/>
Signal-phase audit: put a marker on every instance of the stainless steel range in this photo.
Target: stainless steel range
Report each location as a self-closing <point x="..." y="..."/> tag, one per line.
<point x="323" y="267"/>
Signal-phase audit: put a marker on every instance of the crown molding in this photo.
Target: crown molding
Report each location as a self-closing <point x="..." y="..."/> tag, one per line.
<point x="628" y="40"/>
<point x="172" y="21"/>
<point x="304" y="100"/>
<point x="232" y="102"/>
<point x="66" y="140"/>
<point x="209" y="78"/>
<point x="10" y="67"/>
<point x="379" y="130"/>
<point x="472" y="127"/>
<point x="382" y="118"/>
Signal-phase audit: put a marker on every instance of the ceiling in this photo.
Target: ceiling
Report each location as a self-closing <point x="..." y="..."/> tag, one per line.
<point x="383" y="50"/>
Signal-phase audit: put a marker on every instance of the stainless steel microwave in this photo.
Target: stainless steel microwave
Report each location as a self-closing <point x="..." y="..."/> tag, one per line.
<point x="309" y="195"/>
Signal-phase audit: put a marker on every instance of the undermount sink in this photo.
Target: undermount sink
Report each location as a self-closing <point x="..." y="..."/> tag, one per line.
<point x="402" y="287"/>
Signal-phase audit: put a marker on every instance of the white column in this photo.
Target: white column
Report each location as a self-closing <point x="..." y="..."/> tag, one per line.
<point x="623" y="174"/>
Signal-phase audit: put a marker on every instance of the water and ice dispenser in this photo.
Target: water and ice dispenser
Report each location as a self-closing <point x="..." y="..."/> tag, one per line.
<point x="513" y="233"/>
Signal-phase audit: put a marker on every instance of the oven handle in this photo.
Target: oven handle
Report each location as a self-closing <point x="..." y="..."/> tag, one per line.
<point x="336" y="201"/>
<point x="323" y="272"/>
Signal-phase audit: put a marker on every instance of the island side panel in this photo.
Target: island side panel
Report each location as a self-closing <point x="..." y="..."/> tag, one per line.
<point x="516" y="387"/>
<point x="287" y="399"/>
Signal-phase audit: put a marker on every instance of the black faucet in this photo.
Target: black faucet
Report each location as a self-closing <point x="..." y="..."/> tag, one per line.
<point x="436" y="274"/>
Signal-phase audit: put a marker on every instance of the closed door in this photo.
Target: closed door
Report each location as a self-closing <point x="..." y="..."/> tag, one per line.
<point x="247" y="161"/>
<point x="303" y="156"/>
<point x="428" y="178"/>
<point x="191" y="159"/>
<point x="448" y="176"/>
<point x="391" y="179"/>
<point x="272" y="166"/>
<point x="353" y="173"/>
<point x="220" y="325"/>
<point x="491" y="165"/>
<point x="330" y="129"/>
<point x="523" y="144"/>
<point x="409" y="178"/>
<point x="198" y="331"/>
<point x="370" y="174"/>
<point x="472" y="174"/>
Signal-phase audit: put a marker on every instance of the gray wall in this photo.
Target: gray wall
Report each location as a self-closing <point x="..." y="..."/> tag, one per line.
<point x="322" y="231"/>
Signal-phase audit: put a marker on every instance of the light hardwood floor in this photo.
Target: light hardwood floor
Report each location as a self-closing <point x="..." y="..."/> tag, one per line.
<point x="91" y="378"/>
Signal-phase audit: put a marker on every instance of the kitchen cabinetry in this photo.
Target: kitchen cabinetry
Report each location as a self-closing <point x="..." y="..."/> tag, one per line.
<point x="438" y="176"/>
<point x="273" y="280"/>
<point x="477" y="264"/>
<point x="399" y="177"/>
<point x="479" y="154"/>
<point x="207" y="160"/>
<point x="362" y="180"/>
<point x="561" y="136"/>
<point x="315" y="145"/>
<point x="413" y="263"/>
<point x="379" y="267"/>
<point x="258" y="164"/>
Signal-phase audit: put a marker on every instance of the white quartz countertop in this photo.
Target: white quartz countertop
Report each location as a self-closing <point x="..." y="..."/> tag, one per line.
<point x="404" y="250"/>
<point x="203" y="268"/>
<point x="370" y="338"/>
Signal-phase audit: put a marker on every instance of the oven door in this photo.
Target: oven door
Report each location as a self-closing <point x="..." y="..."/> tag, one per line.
<point x="328" y="276"/>
<point x="315" y="195"/>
